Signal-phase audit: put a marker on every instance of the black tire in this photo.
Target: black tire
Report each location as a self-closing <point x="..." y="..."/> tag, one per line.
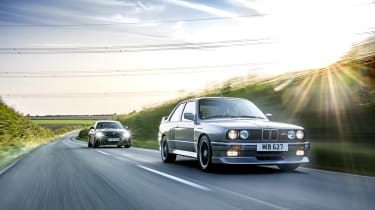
<point x="89" y="144"/>
<point x="287" y="167"/>
<point x="119" y="146"/>
<point x="164" y="152"/>
<point x="205" y="154"/>
<point x="95" y="144"/>
<point x="128" y="145"/>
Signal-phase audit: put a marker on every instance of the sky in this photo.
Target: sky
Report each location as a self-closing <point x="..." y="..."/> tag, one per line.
<point x="116" y="56"/>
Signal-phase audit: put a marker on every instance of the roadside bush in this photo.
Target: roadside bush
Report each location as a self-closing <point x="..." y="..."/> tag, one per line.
<point x="83" y="134"/>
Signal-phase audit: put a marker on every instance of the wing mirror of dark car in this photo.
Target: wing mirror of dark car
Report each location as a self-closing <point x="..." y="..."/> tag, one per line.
<point x="91" y="130"/>
<point x="189" y="116"/>
<point x="269" y="116"/>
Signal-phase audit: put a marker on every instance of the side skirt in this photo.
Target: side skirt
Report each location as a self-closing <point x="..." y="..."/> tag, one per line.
<point x="185" y="153"/>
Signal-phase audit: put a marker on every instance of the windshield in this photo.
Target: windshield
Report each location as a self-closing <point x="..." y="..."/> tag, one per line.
<point x="228" y="108"/>
<point x="113" y="125"/>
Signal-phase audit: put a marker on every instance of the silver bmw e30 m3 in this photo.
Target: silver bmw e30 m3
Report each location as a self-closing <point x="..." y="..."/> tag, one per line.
<point x="221" y="130"/>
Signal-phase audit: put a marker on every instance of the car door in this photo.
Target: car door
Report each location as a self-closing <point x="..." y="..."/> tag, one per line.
<point x="185" y="129"/>
<point x="172" y="126"/>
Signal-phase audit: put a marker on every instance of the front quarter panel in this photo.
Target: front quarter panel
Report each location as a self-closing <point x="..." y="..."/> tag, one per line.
<point x="214" y="132"/>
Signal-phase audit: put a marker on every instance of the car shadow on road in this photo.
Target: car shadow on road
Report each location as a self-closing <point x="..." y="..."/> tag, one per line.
<point x="237" y="169"/>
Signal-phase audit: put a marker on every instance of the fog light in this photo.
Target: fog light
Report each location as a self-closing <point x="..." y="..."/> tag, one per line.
<point x="232" y="153"/>
<point x="300" y="152"/>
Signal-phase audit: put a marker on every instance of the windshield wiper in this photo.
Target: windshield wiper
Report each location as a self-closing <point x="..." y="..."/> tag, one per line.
<point x="230" y="116"/>
<point x="246" y="116"/>
<point x="217" y="116"/>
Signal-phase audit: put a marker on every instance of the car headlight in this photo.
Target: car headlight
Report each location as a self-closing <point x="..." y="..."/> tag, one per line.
<point x="232" y="134"/>
<point x="291" y="134"/>
<point x="126" y="135"/>
<point x="99" y="135"/>
<point x="244" y="134"/>
<point x="300" y="134"/>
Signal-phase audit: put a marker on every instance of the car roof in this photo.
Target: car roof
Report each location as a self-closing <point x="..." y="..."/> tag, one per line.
<point x="106" y="121"/>
<point x="199" y="98"/>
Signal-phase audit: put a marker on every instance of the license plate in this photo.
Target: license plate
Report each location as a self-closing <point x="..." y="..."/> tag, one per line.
<point x="272" y="147"/>
<point x="113" y="139"/>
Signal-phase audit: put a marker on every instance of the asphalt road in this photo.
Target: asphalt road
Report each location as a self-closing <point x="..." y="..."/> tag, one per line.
<point x="67" y="175"/>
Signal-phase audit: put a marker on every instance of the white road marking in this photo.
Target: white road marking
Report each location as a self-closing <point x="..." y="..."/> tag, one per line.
<point x="79" y="143"/>
<point x="11" y="165"/>
<point x="249" y="198"/>
<point x="103" y="152"/>
<point x="192" y="184"/>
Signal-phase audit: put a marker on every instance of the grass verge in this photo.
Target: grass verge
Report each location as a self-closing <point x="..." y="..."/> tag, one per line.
<point x="9" y="152"/>
<point x="62" y="122"/>
<point x="149" y="144"/>
<point x="343" y="157"/>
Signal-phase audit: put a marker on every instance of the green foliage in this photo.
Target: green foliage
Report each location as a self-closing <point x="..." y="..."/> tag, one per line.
<point x="145" y="144"/>
<point x="67" y="129"/>
<point x="300" y="102"/>
<point x="65" y="122"/>
<point x="348" y="157"/>
<point x="18" y="135"/>
<point x="145" y="124"/>
<point x="83" y="134"/>
<point x="14" y="127"/>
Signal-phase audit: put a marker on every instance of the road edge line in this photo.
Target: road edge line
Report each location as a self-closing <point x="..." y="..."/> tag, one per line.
<point x="14" y="162"/>
<point x="4" y="170"/>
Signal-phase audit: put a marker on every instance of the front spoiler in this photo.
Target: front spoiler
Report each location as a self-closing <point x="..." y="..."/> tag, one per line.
<point x="249" y="155"/>
<point x="118" y="143"/>
<point x="255" y="161"/>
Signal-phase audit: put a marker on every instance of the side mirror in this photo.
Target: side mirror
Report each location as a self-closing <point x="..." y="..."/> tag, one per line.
<point x="269" y="116"/>
<point x="189" y="116"/>
<point x="164" y="118"/>
<point x="91" y="130"/>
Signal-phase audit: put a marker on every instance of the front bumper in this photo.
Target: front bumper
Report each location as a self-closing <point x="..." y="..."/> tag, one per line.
<point x="120" y="142"/>
<point x="248" y="154"/>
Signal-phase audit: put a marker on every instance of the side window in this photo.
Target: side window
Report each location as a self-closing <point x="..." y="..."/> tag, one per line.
<point x="177" y="113"/>
<point x="189" y="108"/>
<point x="99" y="125"/>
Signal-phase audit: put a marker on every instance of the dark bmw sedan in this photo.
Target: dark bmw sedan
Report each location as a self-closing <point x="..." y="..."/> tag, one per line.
<point x="108" y="133"/>
<point x="230" y="131"/>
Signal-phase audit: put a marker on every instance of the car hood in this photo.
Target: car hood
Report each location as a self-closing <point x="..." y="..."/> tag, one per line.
<point x="111" y="130"/>
<point x="249" y="124"/>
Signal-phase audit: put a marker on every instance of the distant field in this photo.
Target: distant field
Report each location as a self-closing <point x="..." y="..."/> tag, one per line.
<point x="63" y="122"/>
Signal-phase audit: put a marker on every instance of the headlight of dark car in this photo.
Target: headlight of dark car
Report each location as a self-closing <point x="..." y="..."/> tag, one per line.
<point x="125" y="134"/>
<point x="99" y="135"/>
